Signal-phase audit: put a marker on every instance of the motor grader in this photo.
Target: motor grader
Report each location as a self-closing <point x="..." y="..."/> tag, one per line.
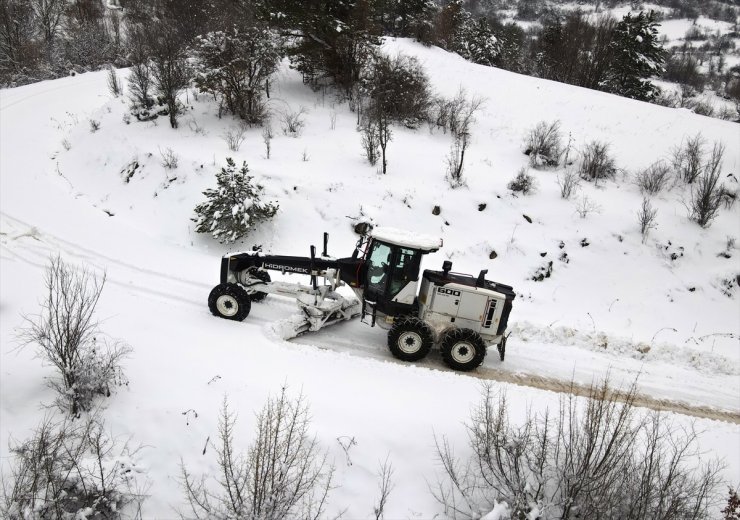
<point x="463" y="314"/>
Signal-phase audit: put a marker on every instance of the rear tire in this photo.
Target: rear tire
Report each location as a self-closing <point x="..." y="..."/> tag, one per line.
<point x="410" y="339"/>
<point x="229" y="301"/>
<point x="463" y="349"/>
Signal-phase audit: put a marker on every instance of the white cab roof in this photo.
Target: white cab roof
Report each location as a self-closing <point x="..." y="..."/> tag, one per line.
<point x="401" y="237"/>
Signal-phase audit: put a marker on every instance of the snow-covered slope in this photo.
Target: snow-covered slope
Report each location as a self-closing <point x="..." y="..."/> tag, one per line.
<point x="657" y="308"/>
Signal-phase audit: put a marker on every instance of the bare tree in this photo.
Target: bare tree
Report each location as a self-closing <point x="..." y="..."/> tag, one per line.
<point x="67" y="336"/>
<point x="140" y="76"/>
<point x="283" y="474"/>
<point x="385" y="473"/>
<point x="370" y="142"/>
<point x="599" y="459"/>
<point x="170" y="72"/>
<point x="461" y="119"/>
<point x="68" y="468"/>
<point x="48" y="17"/>
<point x="16" y="35"/>
<point x="385" y="135"/>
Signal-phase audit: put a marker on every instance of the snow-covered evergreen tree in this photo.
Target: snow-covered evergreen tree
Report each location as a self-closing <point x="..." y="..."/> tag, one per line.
<point x="236" y="65"/>
<point x="451" y="21"/>
<point x="637" y="56"/>
<point x="413" y="18"/>
<point x="234" y="207"/>
<point x="478" y="44"/>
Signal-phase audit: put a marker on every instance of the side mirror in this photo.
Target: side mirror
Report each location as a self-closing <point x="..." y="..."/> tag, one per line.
<point x="446" y="267"/>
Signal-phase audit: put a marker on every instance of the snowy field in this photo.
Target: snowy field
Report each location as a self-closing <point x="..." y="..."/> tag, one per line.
<point x="661" y="310"/>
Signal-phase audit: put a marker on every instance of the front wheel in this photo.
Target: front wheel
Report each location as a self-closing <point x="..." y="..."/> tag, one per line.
<point x="229" y="301"/>
<point x="410" y="339"/>
<point x="463" y="349"/>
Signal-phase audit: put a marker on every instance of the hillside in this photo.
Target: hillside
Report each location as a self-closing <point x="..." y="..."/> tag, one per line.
<point x="666" y="309"/>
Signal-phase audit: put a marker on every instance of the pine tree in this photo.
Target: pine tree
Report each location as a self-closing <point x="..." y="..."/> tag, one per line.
<point x="236" y="65"/>
<point x="451" y="21"/>
<point x="638" y="55"/>
<point x="331" y="38"/>
<point x="478" y="44"/>
<point x="234" y="207"/>
<point x="413" y="19"/>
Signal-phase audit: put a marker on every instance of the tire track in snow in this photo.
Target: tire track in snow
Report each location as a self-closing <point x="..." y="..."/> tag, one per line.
<point x="434" y="362"/>
<point x="38" y="256"/>
<point x="15" y="99"/>
<point x="342" y="343"/>
<point x="640" y="400"/>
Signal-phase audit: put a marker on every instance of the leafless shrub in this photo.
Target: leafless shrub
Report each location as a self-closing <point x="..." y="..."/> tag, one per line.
<point x="461" y="118"/>
<point x="114" y="84"/>
<point x="596" y="164"/>
<point x="702" y="107"/>
<point x="543" y="145"/>
<point x="653" y="179"/>
<point x="462" y="113"/>
<point x="283" y="474"/>
<point x="688" y="158"/>
<point x="370" y="142"/>
<point x="267" y="135"/>
<point x="333" y="120"/>
<point x="66" y="144"/>
<point x="169" y="158"/>
<point x="454" y="162"/>
<point x="585" y="206"/>
<point x="293" y="121"/>
<point x="67" y="336"/>
<point x="646" y="218"/>
<point x="385" y="473"/>
<point x="707" y="194"/>
<point x="568" y="183"/>
<point x="68" y="469"/>
<point x="94" y="125"/>
<point x="439" y="114"/>
<point x="727" y="113"/>
<point x="304" y="156"/>
<point x="523" y="183"/>
<point x="234" y="137"/>
<point x="597" y="459"/>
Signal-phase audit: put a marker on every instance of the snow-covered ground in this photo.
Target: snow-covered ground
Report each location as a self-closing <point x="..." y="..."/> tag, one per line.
<point x="657" y="309"/>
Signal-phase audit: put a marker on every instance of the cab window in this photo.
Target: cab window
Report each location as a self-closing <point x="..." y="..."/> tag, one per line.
<point x="405" y="270"/>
